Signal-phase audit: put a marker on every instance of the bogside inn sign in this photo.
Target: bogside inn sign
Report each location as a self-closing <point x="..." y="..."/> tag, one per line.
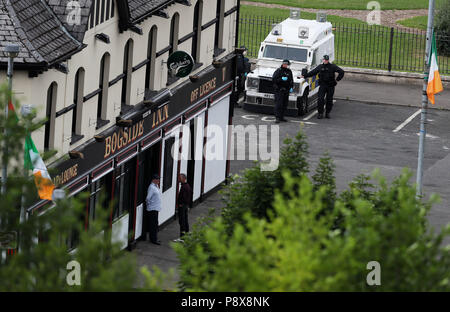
<point x="114" y="142"/>
<point x="117" y="139"/>
<point x="124" y="137"/>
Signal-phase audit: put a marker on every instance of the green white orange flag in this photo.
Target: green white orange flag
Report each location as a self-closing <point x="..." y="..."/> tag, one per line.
<point x="434" y="79"/>
<point x="34" y="162"/>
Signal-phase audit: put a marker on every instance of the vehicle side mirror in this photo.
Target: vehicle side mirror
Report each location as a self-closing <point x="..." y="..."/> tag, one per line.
<point x="304" y="71"/>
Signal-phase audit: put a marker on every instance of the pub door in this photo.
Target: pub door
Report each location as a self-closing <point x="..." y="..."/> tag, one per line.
<point x="187" y="160"/>
<point x="169" y="175"/>
<point x="123" y="201"/>
<point x="149" y="164"/>
<point x="191" y="158"/>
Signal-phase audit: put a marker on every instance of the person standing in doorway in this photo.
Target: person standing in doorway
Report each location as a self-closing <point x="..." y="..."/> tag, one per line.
<point x="283" y="84"/>
<point x="327" y="82"/>
<point x="153" y="202"/>
<point x="184" y="203"/>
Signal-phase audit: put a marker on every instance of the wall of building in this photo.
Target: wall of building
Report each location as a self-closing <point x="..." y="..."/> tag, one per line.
<point x="33" y="91"/>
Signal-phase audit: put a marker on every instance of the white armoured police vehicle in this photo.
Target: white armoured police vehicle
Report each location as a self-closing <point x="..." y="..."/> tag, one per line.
<point x="304" y="43"/>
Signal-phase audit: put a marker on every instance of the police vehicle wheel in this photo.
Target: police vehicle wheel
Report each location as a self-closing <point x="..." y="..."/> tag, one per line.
<point x="302" y="103"/>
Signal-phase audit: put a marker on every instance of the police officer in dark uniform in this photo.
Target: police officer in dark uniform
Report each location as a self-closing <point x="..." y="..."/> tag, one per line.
<point x="243" y="68"/>
<point x="327" y="82"/>
<point x="283" y="84"/>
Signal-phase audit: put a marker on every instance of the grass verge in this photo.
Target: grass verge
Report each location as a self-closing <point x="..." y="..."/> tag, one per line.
<point x="351" y="4"/>
<point x="418" y="22"/>
<point x="356" y="43"/>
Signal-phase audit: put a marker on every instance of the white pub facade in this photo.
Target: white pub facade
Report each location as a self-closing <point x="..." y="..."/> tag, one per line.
<point x="97" y="69"/>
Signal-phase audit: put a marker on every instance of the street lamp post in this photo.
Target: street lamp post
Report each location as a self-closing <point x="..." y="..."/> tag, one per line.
<point x="423" y="115"/>
<point x="12" y="50"/>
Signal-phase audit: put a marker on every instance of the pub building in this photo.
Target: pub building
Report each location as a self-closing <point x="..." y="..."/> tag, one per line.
<point x="116" y="102"/>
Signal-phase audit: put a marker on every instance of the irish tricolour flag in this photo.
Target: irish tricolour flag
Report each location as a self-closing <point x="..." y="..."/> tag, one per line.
<point x="434" y="79"/>
<point x="34" y="162"/>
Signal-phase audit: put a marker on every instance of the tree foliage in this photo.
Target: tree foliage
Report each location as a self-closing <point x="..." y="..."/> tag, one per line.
<point x="283" y="231"/>
<point x="324" y="177"/>
<point x="254" y="190"/>
<point x="295" y="250"/>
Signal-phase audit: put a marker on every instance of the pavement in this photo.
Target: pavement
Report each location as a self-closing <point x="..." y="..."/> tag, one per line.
<point x="391" y="94"/>
<point x="361" y="136"/>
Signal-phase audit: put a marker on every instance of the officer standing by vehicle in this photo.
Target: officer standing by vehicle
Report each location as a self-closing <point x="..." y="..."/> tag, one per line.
<point x="327" y="82"/>
<point x="283" y="84"/>
<point x="243" y="68"/>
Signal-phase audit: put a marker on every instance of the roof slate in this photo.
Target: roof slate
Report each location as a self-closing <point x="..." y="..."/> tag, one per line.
<point x="63" y="12"/>
<point x="11" y="32"/>
<point x="139" y="8"/>
<point x="45" y="33"/>
<point x="36" y="28"/>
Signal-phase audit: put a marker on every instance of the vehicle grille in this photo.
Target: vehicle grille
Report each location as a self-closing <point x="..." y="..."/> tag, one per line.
<point x="266" y="86"/>
<point x="268" y="102"/>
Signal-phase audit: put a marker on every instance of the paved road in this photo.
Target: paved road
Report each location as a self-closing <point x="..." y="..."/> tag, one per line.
<point x="360" y="137"/>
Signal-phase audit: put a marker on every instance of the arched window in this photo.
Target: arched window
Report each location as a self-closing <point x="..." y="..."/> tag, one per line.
<point x="174" y="29"/>
<point x="78" y="92"/>
<point x="50" y="113"/>
<point x="197" y="30"/>
<point x="218" y="38"/>
<point x="127" y="71"/>
<point x="151" y="56"/>
<point x="104" y="86"/>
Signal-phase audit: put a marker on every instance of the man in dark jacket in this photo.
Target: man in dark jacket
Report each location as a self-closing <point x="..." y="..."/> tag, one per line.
<point x="327" y="82"/>
<point x="184" y="202"/>
<point x="243" y="68"/>
<point x="283" y="83"/>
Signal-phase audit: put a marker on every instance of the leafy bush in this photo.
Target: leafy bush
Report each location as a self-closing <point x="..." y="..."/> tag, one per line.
<point x="324" y="177"/>
<point x="254" y="190"/>
<point x="294" y="250"/>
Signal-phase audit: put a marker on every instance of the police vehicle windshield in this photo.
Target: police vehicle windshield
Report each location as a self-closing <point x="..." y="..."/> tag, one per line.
<point x="283" y="52"/>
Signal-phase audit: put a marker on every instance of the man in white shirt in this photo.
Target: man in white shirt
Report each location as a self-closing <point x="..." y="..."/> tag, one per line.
<point x="153" y="202"/>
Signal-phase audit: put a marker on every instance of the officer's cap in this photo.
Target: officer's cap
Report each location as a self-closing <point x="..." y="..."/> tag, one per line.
<point x="326" y="57"/>
<point x="243" y="48"/>
<point x="286" y="62"/>
<point x="155" y="177"/>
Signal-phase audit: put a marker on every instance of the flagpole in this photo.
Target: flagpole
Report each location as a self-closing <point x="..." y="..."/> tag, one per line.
<point x="5" y="148"/>
<point x="423" y="115"/>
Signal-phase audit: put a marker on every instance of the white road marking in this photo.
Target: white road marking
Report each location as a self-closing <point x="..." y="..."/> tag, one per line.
<point x="430" y="136"/>
<point x="268" y="119"/>
<point x="249" y="117"/>
<point x="407" y="121"/>
<point x="304" y="122"/>
<point x="310" y="116"/>
<point x="446" y="148"/>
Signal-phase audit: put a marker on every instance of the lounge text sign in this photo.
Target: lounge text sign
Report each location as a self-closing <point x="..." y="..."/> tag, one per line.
<point x="66" y="175"/>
